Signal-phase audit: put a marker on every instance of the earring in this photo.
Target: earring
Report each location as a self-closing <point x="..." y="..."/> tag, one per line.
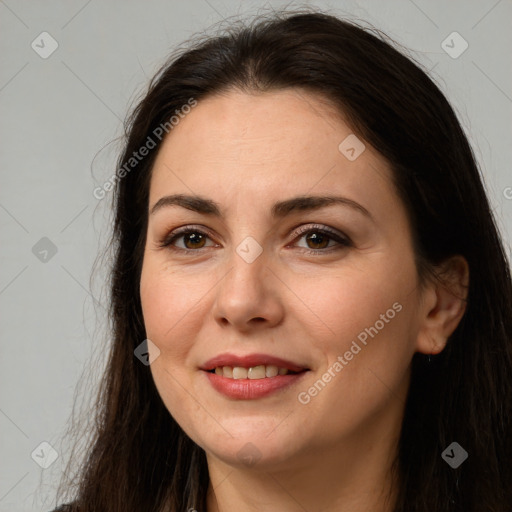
<point x="429" y="358"/>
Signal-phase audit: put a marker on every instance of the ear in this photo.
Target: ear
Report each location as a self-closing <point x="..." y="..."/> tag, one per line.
<point x="443" y="305"/>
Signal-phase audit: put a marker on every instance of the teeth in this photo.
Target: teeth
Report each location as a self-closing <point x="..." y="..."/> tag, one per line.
<point x="271" y="371"/>
<point x="239" y="372"/>
<point x="254" y="373"/>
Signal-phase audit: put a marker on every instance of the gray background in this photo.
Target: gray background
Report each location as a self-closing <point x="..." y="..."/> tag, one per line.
<point x="59" y="117"/>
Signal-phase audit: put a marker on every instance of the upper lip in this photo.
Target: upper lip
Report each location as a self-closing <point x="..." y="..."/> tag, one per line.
<point x="249" y="361"/>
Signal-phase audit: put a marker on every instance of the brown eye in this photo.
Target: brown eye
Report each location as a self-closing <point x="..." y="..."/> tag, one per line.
<point x="321" y="240"/>
<point x="317" y="240"/>
<point x="186" y="240"/>
<point x="194" y="240"/>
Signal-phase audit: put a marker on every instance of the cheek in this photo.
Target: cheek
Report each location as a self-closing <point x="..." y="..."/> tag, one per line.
<point x="340" y="308"/>
<point x="367" y="320"/>
<point x="370" y="318"/>
<point x="170" y="302"/>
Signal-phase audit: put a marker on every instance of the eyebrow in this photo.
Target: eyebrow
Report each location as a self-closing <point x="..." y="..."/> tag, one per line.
<point x="280" y="209"/>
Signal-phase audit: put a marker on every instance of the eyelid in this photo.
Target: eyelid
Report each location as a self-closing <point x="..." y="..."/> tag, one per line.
<point x="304" y="228"/>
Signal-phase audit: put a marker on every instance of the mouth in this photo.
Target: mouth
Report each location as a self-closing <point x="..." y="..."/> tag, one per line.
<point x="254" y="372"/>
<point x="251" y="366"/>
<point x="253" y="376"/>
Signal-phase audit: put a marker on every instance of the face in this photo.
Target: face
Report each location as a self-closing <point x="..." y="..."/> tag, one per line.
<point x="243" y="281"/>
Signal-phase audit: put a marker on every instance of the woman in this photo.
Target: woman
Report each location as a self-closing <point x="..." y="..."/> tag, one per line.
<point x="310" y="299"/>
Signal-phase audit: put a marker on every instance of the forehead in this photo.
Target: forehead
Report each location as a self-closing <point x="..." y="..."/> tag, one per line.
<point x="267" y="145"/>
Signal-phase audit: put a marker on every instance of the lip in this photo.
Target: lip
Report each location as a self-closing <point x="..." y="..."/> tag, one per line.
<point x="249" y="361"/>
<point x="251" y="389"/>
<point x="248" y="389"/>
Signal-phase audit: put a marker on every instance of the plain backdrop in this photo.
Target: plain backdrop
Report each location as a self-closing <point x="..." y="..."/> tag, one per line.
<point x="60" y="114"/>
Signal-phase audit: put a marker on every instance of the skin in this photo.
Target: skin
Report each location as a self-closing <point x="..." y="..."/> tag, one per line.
<point x="246" y="152"/>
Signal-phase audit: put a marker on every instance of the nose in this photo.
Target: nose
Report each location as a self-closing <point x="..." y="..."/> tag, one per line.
<point x="249" y="296"/>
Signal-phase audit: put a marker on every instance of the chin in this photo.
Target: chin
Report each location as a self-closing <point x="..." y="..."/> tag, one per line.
<point x="249" y="448"/>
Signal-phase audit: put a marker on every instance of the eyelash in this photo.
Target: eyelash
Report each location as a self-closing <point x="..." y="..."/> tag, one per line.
<point x="343" y="241"/>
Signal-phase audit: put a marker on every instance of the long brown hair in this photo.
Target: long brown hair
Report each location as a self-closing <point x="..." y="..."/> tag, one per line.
<point x="140" y="459"/>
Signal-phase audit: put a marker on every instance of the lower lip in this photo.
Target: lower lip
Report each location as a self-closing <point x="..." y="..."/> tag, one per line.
<point x="250" y="389"/>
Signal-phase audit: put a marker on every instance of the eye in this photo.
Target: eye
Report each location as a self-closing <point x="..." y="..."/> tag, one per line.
<point x="319" y="238"/>
<point x="192" y="239"/>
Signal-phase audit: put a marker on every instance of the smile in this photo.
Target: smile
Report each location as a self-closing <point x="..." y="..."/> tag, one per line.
<point x="253" y="373"/>
<point x="251" y="376"/>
